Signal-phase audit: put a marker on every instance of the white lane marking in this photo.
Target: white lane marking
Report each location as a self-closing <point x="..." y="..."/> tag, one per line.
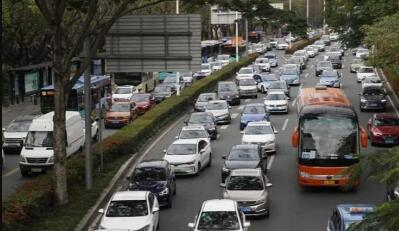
<point x="293" y="103"/>
<point x="234" y="115"/>
<point x="343" y="65"/>
<point x="393" y="105"/>
<point x="224" y="126"/>
<point x="247" y="100"/>
<point x="11" y="172"/>
<point x="284" y="58"/>
<point x="306" y="75"/>
<point x="285" y="124"/>
<point x="218" y="136"/>
<point x="270" y="162"/>
<point x="241" y="107"/>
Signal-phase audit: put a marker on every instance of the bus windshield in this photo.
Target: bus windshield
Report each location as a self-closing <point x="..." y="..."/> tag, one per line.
<point x="340" y="143"/>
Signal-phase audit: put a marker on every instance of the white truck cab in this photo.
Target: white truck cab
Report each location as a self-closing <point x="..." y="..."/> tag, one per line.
<point x="37" y="155"/>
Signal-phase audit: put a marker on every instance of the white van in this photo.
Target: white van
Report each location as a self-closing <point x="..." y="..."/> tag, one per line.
<point x="37" y="155"/>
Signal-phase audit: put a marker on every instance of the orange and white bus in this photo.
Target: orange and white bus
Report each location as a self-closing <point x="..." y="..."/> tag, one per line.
<point x="328" y="138"/>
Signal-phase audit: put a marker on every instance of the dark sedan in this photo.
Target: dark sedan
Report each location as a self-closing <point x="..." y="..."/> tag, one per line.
<point x="384" y="129"/>
<point x="335" y="61"/>
<point x="243" y="156"/>
<point x="372" y="98"/>
<point x="323" y="65"/>
<point x="227" y="90"/>
<point x="161" y="92"/>
<point x="205" y="119"/>
<point x="157" y="177"/>
<point x="253" y="112"/>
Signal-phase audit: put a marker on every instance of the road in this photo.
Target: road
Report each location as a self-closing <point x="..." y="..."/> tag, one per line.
<point x="292" y="208"/>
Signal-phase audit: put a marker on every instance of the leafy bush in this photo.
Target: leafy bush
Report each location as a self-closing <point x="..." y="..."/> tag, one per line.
<point x="33" y="203"/>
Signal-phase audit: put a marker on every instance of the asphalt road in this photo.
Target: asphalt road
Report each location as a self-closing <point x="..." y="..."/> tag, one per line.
<point x="292" y="208"/>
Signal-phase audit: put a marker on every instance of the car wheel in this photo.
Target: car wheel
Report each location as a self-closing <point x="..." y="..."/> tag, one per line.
<point x="174" y="188"/>
<point x="198" y="169"/>
<point x="169" y="205"/>
<point x="256" y="96"/>
<point x="24" y="172"/>
<point x="210" y="160"/>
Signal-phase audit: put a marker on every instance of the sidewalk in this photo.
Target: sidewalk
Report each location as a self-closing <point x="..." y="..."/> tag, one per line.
<point x="13" y="111"/>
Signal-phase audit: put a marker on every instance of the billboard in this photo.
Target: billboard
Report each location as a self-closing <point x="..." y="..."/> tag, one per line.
<point x="219" y="16"/>
<point x="278" y="5"/>
<point x="151" y="43"/>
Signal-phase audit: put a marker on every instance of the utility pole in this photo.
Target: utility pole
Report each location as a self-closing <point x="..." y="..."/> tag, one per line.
<point x="87" y="98"/>
<point x="100" y="129"/>
<point x="307" y="12"/>
<point x="290" y="35"/>
<point x="324" y="15"/>
<point x="246" y="36"/>
<point x="177" y="7"/>
<point x="237" y="36"/>
<point x="177" y="73"/>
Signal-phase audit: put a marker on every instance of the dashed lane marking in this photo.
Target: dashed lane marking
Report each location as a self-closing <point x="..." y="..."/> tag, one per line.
<point x="270" y="162"/>
<point x="306" y="75"/>
<point x="234" y="115"/>
<point x="293" y="103"/>
<point x="285" y="124"/>
<point x="9" y="173"/>
<point x="223" y="127"/>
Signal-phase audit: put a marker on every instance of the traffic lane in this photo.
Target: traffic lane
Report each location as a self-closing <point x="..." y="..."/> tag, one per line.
<point x="11" y="177"/>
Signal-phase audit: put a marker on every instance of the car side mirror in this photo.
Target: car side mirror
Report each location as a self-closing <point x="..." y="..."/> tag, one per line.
<point x="97" y="119"/>
<point x="202" y="150"/>
<point x="177" y="137"/>
<point x="186" y="122"/>
<point x="295" y="138"/>
<point x="247" y="224"/>
<point x="369" y="122"/>
<point x="224" y="157"/>
<point x="191" y="225"/>
<point x="3" y="129"/>
<point x="101" y="211"/>
<point x="164" y="151"/>
<point x="230" y="107"/>
<point x="275" y="132"/>
<point x="128" y="178"/>
<point x="222" y="185"/>
<point x="268" y="185"/>
<point x="242" y="132"/>
<point x="155" y="209"/>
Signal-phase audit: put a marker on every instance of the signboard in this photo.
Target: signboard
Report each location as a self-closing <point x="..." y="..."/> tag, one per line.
<point x="151" y="43"/>
<point x="219" y="16"/>
<point x="278" y="5"/>
<point x="31" y="81"/>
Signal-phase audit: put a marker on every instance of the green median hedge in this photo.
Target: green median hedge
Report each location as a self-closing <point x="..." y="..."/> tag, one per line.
<point x="32" y="206"/>
<point x="301" y="44"/>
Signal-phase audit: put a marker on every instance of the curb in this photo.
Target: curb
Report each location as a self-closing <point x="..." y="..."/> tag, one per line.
<point x="395" y="101"/>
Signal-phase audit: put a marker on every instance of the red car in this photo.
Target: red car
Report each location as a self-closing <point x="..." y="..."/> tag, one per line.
<point x="144" y="102"/>
<point x="384" y="129"/>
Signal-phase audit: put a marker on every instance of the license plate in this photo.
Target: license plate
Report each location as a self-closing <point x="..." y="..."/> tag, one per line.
<point x="389" y="141"/>
<point x="329" y="182"/>
<point x="373" y="104"/>
<point x="246" y="209"/>
<point x="36" y="170"/>
<point x="115" y="121"/>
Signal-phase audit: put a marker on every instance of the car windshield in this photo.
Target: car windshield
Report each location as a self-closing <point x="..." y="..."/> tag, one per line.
<point x="205" y="66"/>
<point x="244" y="154"/>
<point x="119" y="108"/>
<point x="200" y="118"/>
<point x="227" y="87"/>
<point x="123" y="90"/>
<point x="216" y="106"/>
<point x="357" y="61"/>
<point x="366" y="70"/>
<point x="334" y="49"/>
<point x="319" y="43"/>
<point x="360" y="50"/>
<point x="193" y="134"/>
<point x="258" y="109"/>
<point x="127" y="208"/>
<point x="329" y="74"/>
<point x="372" y="91"/>
<point x="299" y="53"/>
<point x="386" y="121"/>
<point x="39" y="139"/>
<point x="247" y="82"/>
<point x="182" y="149"/>
<point x="258" y="130"/>
<point x="340" y="142"/>
<point x="218" y="220"/>
<point x="275" y="97"/>
<point x="149" y="174"/>
<point x="245" y="71"/>
<point x="289" y="72"/>
<point x="244" y="183"/>
<point x="206" y="98"/>
<point x="162" y="89"/>
<point x="140" y="98"/>
<point x="19" y="126"/>
<point x="270" y="56"/>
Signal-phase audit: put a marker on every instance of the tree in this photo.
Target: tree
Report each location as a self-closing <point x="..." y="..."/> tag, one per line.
<point x="348" y="16"/>
<point x="68" y="24"/>
<point x="384" y="36"/>
<point x="383" y="167"/>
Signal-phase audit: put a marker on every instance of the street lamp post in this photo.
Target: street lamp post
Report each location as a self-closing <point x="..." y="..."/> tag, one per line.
<point x="87" y="99"/>
<point x="290" y="8"/>
<point x="237" y="36"/>
<point x="177" y="73"/>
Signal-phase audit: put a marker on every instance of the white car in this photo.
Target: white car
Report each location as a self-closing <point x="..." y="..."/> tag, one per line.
<point x="261" y="133"/>
<point x="363" y="72"/>
<point x="245" y="73"/>
<point x="94" y="129"/>
<point x="372" y="80"/>
<point x="187" y="77"/>
<point x="189" y="156"/>
<point x="333" y="36"/>
<point x="301" y="53"/>
<point x="281" y="45"/>
<point x="206" y="69"/>
<point x="224" y="59"/>
<point x="320" y="44"/>
<point x="194" y="132"/>
<point x="362" y="53"/>
<point x="220" y="110"/>
<point x="220" y="214"/>
<point x="216" y="66"/>
<point x="310" y="51"/>
<point x="123" y="93"/>
<point x="262" y="65"/>
<point x="247" y="88"/>
<point x="276" y="101"/>
<point x="131" y="210"/>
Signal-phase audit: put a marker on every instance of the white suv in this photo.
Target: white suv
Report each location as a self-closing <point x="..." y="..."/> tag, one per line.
<point x="123" y="93"/>
<point x="220" y="214"/>
<point x="363" y="72"/>
<point x="261" y="133"/>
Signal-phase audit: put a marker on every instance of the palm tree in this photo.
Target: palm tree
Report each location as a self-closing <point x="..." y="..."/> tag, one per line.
<point x="382" y="166"/>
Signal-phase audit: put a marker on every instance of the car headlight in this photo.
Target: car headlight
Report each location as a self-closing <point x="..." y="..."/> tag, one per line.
<point x="164" y="192"/>
<point x="396" y="191"/>
<point x="269" y="142"/>
<point x="363" y="100"/>
<point x="145" y="228"/>
<point x="224" y="169"/>
<point x="383" y="101"/>
<point x="50" y="160"/>
<point x="304" y="174"/>
<point x="261" y="201"/>
<point x="190" y="163"/>
<point x="377" y="133"/>
<point x="237" y="96"/>
<point x="22" y="159"/>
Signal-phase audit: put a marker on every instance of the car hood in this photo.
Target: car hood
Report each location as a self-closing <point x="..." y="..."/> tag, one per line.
<point x="253" y="117"/>
<point x="153" y="186"/>
<point x="289" y="77"/>
<point x="15" y="135"/>
<point x="161" y="94"/>
<point x="179" y="159"/>
<point x="121" y="96"/>
<point x="217" y="113"/>
<point x="373" y="97"/>
<point x="237" y="164"/>
<point x="117" y="114"/>
<point x="365" y="74"/>
<point x="244" y="195"/>
<point x="201" y="103"/>
<point x="125" y="223"/>
<point x="37" y="152"/>
<point x="328" y="79"/>
<point x="244" y="75"/>
<point x="206" y="125"/>
<point x="391" y="130"/>
<point x="247" y="87"/>
<point x="258" y="138"/>
<point x="275" y="102"/>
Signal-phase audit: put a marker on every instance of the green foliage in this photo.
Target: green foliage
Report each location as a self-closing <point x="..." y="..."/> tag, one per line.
<point x="32" y="206"/>
<point x="348" y="16"/>
<point x="384" y="36"/>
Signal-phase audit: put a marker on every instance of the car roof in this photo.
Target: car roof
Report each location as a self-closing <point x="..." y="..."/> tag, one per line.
<point x="153" y="163"/>
<point x="192" y="127"/>
<point x="246" y="172"/>
<point x="257" y="123"/>
<point x="202" y="113"/>
<point x="217" y="101"/>
<point x="364" y="66"/>
<point x="209" y="93"/>
<point x="219" y="205"/>
<point x="385" y="115"/>
<point x="129" y="195"/>
<point x="354" y="212"/>
<point x="186" y="141"/>
<point x="242" y="146"/>
<point x="125" y="86"/>
<point x="276" y="92"/>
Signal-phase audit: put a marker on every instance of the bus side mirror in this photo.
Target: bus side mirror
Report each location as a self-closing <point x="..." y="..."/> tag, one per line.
<point x="363" y="138"/>
<point x="295" y="138"/>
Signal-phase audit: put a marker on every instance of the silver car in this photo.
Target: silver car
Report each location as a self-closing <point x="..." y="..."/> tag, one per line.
<point x="249" y="187"/>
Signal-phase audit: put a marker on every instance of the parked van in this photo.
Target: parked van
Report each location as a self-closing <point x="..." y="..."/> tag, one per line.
<point x="37" y="155"/>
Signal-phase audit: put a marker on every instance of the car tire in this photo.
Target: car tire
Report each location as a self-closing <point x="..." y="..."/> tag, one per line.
<point x="174" y="188"/>
<point x="210" y="160"/>
<point x="169" y="205"/>
<point x="256" y="96"/>
<point x="24" y="173"/>
<point x="198" y="169"/>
